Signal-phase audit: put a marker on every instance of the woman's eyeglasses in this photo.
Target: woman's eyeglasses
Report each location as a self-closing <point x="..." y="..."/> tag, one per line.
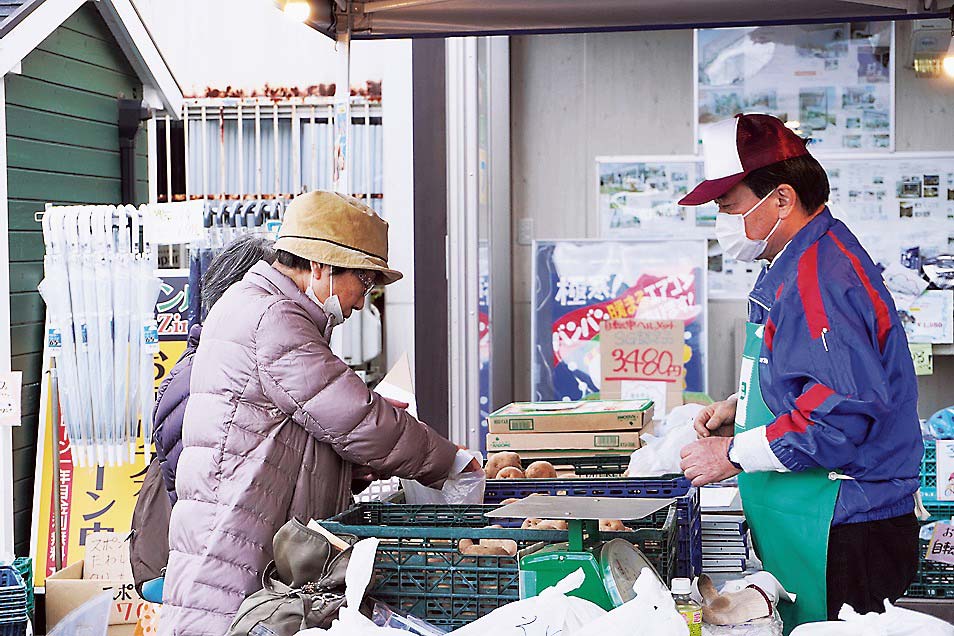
<point x="368" y="279"/>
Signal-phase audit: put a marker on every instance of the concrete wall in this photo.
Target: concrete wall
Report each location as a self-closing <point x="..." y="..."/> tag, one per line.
<point x="574" y="97"/>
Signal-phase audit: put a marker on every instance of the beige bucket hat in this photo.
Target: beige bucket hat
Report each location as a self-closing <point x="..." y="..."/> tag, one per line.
<point x="335" y="229"/>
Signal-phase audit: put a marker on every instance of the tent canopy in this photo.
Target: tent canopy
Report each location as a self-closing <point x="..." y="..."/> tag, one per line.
<point x="372" y="19"/>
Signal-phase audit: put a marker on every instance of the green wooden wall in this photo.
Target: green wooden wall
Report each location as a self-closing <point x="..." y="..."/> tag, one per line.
<point x="63" y="148"/>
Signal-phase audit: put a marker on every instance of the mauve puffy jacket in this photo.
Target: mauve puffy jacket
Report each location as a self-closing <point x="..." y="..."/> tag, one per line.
<point x="274" y="422"/>
<point x="172" y="398"/>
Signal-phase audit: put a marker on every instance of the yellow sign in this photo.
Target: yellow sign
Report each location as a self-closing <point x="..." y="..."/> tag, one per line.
<point x="94" y="498"/>
<point x="923" y="356"/>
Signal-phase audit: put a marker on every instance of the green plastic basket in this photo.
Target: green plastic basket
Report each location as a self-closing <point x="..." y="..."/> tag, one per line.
<point x="940" y="510"/>
<point x="24" y="566"/>
<point x="420" y="569"/>
<point x="934" y="579"/>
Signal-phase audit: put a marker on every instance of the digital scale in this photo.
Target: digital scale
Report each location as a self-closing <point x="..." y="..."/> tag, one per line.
<point x="611" y="567"/>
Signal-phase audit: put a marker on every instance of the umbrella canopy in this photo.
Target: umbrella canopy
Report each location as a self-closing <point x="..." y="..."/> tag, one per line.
<point x="373" y="19"/>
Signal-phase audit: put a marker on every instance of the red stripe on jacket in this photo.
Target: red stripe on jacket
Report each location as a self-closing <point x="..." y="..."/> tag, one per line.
<point x="882" y="315"/>
<point x="810" y="292"/>
<point x="799" y="420"/>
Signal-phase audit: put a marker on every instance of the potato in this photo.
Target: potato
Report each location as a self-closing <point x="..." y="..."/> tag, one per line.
<point x="550" y="524"/>
<point x="612" y="525"/>
<point x="488" y="547"/>
<point x="501" y="460"/>
<point x="507" y="502"/>
<point x="507" y="545"/>
<point x="510" y="472"/>
<point x="541" y="470"/>
<point x="529" y="524"/>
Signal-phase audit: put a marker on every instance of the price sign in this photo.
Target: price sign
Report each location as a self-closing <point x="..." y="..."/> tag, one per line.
<point x="941" y="547"/>
<point x="923" y="356"/>
<point x="649" y="350"/>
<point x="644" y="359"/>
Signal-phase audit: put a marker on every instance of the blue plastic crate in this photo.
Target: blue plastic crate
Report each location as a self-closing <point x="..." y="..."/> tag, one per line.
<point x="688" y="508"/>
<point x="940" y="510"/>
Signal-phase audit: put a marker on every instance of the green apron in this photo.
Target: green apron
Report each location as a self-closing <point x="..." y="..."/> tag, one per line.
<point x="789" y="513"/>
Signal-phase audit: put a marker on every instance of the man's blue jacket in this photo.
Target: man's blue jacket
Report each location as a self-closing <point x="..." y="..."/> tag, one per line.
<point x="836" y="371"/>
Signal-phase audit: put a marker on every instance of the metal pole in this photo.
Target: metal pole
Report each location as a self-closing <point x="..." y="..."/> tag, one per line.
<point x="278" y="171"/>
<point x="222" y="186"/>
<point x="185" y="139"/>
<point x="241" y="150"/>
<point x="314" y="150"/>
<point x="367" y="153"/>
<point x="57" y="493"/>
<point x="258" y="149"/>
<point x="169" y="159"/>
<point x="205" y="154"/>
<point x="296" y="150"/>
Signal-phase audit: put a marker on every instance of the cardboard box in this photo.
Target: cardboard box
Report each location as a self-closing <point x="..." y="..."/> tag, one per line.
<point x="571" y="417"/>
<point x="622" y="441"/>
<point x="67" y="589"/>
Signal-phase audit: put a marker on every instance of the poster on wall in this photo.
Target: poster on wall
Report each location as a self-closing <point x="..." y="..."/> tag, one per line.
<point x="637" y="198"/>
<point x="895" y="203"/>
<point x="833" y="83"/>
<point x="99" y="498"/>
<point x="580" y="284"/>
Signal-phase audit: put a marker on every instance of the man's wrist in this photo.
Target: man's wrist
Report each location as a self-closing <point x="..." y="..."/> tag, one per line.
<point x="728" y="455"/>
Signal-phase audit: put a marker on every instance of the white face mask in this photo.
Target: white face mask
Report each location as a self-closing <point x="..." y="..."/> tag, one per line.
<point x="730" y="230"/>
<point x="331" y="307"/>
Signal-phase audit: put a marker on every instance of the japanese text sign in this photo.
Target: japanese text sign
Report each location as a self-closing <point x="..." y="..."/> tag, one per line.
<point x="10" y="398"/>
<point x="922" y="355"/>
<point x="633" y="349"/>
<point x="107" y="557"/>
<point x="941" y="547"/>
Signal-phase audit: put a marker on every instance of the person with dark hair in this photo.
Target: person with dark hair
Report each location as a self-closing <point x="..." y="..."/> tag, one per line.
<point x="277" y="424"/>
<point x="824" y="432"/>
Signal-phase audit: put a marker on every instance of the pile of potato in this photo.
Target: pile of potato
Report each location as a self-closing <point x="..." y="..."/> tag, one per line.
<point x="509" y="466"/>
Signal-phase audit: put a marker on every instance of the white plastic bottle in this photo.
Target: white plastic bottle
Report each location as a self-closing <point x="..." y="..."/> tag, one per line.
<point x="690" y="610"/>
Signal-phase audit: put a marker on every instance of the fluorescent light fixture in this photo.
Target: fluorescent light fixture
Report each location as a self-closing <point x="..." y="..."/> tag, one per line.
<point x="948" y="63"/>
<point x="298" y="10"/>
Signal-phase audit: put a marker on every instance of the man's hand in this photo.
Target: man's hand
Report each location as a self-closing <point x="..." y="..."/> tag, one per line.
<point x="706" y="461"/>
<point x="717" y="419"/>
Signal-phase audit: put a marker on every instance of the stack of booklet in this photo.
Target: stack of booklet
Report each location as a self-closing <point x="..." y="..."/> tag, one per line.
<point x="725" y="545"/>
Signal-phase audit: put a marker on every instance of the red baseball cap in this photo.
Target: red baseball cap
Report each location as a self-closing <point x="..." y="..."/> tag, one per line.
<point x="733" y="148"/>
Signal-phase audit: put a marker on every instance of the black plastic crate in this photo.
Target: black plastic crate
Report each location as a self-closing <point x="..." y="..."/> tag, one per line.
<point x="420" y="569"/>
<point x="934" y="579"/>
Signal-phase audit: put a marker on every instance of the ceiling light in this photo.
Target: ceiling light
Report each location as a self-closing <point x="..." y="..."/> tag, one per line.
<point x="298" y="10"/>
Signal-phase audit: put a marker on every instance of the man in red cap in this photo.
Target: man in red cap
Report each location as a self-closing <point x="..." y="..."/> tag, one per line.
<point x="823" y="432"/>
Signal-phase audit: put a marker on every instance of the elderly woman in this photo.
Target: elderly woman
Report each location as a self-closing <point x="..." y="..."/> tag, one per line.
<point x="276" y="421"/>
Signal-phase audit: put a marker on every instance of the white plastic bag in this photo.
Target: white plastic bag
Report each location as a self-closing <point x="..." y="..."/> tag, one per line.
<point x="459" y="488"/>
<point x="895" y="621"/>
<point x="659" y="454"/>
<point x="652" y="612"/>
<point x="350" y="621"/>
<point x="550" y="613"/>
<point x="89" y="619"/>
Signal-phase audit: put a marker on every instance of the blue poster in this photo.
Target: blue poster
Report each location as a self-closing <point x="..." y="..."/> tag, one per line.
<point x="580" y="284"/>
